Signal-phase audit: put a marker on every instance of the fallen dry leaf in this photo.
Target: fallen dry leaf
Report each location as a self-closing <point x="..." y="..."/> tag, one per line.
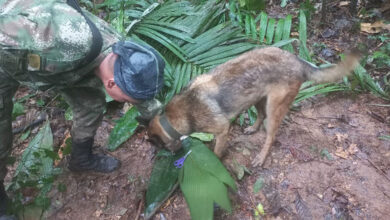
<point x="63" y="145"/>
<point x="98" y="213"/>
<point x="341" y="153"/>
<point x="352" y="149"/>
<point x="341" y="137"/>
<point x="295" y="34"/>
<point x="330" y="125"/>
<point x="344" y="3"/>
<point x="374" y="28"/>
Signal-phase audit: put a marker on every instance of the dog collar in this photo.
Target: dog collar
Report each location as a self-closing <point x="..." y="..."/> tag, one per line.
<point x="168" y="127"/>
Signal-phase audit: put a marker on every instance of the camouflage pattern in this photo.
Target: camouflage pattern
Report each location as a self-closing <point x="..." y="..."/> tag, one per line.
<point x="57" y="32"/>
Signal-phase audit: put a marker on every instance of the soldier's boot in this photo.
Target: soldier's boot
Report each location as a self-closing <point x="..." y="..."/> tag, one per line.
<point x="4" y="202"/>
<point x="82" y="159"/>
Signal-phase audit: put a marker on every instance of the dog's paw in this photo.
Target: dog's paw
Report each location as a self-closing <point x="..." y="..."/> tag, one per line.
<point x="249" y="130"/>
<point x="259" y="160"/>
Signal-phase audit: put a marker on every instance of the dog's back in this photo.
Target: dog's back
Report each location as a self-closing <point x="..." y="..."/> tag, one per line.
<point x="243" y="81"/>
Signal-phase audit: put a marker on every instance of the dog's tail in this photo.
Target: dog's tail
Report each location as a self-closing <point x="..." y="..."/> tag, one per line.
<point x="336" y="72"/>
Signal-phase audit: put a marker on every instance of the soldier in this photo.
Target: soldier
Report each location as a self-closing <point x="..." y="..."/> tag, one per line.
<point x="54" y="44"/>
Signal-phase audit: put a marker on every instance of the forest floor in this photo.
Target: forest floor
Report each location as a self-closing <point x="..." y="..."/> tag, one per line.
<point x="328" y="161"/>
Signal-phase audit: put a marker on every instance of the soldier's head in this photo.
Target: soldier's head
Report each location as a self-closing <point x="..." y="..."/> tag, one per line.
<point x="132" y="72"/>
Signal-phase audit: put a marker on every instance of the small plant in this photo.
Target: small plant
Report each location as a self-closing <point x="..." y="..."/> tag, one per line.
<point x="308" y="8"/>
<point x="35" y="173"/>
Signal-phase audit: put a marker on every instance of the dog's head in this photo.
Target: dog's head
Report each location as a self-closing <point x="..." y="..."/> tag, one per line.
<point x="160" y="137"/>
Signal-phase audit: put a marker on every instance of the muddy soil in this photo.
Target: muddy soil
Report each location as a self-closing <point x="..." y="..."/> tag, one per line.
<point x="328" y="162"/>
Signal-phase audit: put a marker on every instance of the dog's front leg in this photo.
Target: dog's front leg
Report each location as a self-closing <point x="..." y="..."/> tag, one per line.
<point x="220" y="143"/>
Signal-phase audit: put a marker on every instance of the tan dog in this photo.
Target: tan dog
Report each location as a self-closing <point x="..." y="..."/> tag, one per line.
<point x="267" y="78"/>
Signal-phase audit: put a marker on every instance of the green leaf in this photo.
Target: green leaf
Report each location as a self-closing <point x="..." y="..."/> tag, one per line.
<point x="25" y="135"/>
<point x="202" y="180"/>
<point x="311" y="91"/>
<point x="279" y="30"/>
<point x="270" y="31"/>
<point x="17" y="110"/>
<point x="369" y="84"/>
<point x="384" y="137"/>
<point x="303" y="51"/>
<point x="162" y="183"/>
<point x="202" y="136"/>
<point x="286" y="32"/>
<point x="253" y="28"/>
<point x="263" y="26"/>
<point x="208" y="161"/>
<point x="325" y="153"/>
<point x="152" y="34"/>
<point x="42" y="201"/>
<point x="174" y="33"/>
<point x="61" y="187"/>
<point x="252" y="114"/>
<point x="259" y="210"/>
<point x="34" y="162"/>
<point x="240" y="170"/>
<point x="201" y="190"/>
<point x="283" y="3"/>
<point x="68" y="146"/>
<point x="258" y="185"/>
<point x="124" y="129"/>
<point x="247" y="24"/>
<point x="283" y="42"/>
<point x="40" y="103"/>
<point x="51" y="154"/>
<point x="69" y="114"/>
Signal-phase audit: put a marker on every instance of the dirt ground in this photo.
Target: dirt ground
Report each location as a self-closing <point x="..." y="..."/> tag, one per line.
<point x="328" y="161"/>
<point x="351" y="182"/>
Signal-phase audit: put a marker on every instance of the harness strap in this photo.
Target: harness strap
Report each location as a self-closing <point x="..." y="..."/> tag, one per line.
<point x="168" y="127"/>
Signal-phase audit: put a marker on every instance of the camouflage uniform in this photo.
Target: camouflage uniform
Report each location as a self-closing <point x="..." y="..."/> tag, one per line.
<point x="61" y="37"/>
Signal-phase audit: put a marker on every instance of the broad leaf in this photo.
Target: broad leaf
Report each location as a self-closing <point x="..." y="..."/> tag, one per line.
<point x="124" y="129"/>
<point x="270" y="31"/>
<point x="17" y="110"/>
<point x="286" y="33"/>
<point x="201" y="190"/>
<point x="34" y="163"/>
<point x="162" y="183"/>
<point x="202" y="181"/>
<point x="258" y="185"/>
<point x="303" y="51"/>
<point x="203" y="136"/>
<point x="208" y="161"/>
<point x="263" y="26"/>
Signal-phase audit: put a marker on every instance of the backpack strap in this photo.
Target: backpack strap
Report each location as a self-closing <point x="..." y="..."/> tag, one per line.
<point x="97" y="40"/>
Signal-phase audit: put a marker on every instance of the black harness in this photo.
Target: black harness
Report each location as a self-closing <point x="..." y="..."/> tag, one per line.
<point x="168" y="128"/>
